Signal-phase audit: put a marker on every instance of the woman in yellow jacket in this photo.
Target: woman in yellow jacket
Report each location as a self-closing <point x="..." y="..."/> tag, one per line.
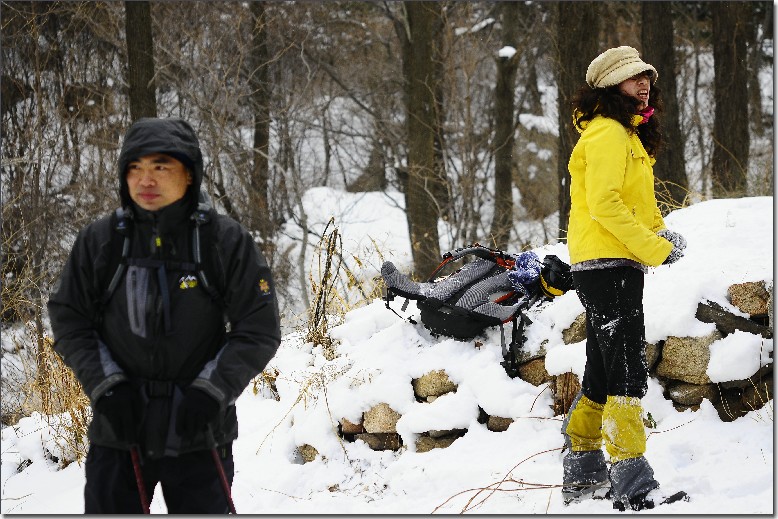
<point x="615" y="233"/>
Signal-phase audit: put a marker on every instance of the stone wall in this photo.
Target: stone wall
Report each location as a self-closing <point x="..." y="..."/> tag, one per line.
<point x="678" y="363"/>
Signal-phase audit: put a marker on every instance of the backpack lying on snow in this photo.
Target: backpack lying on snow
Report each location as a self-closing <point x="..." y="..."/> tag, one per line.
<point x="492" y="290"/>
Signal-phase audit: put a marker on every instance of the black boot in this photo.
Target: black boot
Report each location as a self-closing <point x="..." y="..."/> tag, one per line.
<point x="633" y="486"/>
<point x="585" y="475"/>
<point x="650" y="500"/>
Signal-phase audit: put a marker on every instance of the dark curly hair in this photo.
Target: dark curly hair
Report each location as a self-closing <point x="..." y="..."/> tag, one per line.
<point x="609" y="102"/>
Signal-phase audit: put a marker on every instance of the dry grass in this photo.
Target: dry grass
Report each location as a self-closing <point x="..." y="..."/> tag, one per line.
<point x="266" y="381"/>
<point x="326" y="300"/>
<point x="761" y="401"/>
<point x="331" y="281"/>
<point x="664" y="197"/>
<point x="45" y="385"/>
<point x="61" y="396"/>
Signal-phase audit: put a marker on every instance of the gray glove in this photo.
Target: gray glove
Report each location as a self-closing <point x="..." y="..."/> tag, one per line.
<point x="679" y="244"/>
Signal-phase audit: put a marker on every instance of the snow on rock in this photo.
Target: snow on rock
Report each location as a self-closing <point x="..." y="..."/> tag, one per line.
<point x="738" y="356"/>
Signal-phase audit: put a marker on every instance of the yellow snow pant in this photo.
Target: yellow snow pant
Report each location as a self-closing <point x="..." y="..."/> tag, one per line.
<point x="585" y="425"/>
<point x="623" y="429"/>
<point x="619" y="422"/>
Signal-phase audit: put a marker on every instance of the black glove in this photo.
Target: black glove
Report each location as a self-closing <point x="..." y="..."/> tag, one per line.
<point x="121" y="406"/>
<point x="679" y="244"/>
<point x="196" y="411"/>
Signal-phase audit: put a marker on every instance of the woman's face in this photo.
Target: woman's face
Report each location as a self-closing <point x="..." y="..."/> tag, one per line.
<point x="637" y="87"/>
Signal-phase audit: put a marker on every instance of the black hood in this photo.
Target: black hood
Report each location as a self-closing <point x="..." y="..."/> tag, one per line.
<point x="174" y="137"/>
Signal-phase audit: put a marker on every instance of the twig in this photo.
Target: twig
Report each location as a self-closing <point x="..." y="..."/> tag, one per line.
<point x="494" y="487"/>
<point x="15" y="498"/>
<point x="552" y="418"/>
<point x="282" y="493"/>
<point x="670" y="429"/>
<point x="283" y="418"/>
<point x="538" y="396"/>
<point x="335" y="427"/>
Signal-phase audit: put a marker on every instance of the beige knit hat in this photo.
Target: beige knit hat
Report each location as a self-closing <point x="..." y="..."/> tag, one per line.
<point x="615" y="65"/>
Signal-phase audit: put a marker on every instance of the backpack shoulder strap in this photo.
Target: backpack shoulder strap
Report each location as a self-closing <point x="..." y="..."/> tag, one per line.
<point x="499" y="257"/>
<point x="203" y="237"/>
<point x="121" y="226"/>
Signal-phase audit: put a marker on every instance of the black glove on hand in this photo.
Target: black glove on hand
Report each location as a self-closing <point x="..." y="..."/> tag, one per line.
<point x="196" y="411"/>
<point x="121" y="407"/>
<point x="679" y="244"/>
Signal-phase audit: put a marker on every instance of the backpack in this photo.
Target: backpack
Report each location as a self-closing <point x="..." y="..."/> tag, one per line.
<point x="479" y="297"/>
<point x="202" y="237"/>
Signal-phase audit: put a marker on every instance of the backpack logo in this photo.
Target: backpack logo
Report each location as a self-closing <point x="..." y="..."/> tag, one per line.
<point x="187" y="282"/>
<point x="264" y="287"/>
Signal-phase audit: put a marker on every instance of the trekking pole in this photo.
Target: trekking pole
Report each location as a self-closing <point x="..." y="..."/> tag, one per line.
<point x="220" y="469"/>
<point x="144" y="499"/>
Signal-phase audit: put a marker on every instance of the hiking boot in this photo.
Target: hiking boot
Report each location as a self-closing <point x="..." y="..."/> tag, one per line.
<point x="577" y="493"/>
<point x="631" y="478"/>
<point x="649" y="500"/>
<point x="585" y="475"/>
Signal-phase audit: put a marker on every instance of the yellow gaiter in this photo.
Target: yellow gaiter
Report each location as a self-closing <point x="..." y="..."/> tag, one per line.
<point x="623" y="429"/>
<point x="584" y="427"/>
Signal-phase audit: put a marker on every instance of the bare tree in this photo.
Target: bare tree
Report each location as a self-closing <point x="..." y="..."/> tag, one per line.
<point x="760" y="27"/>
<point x="730" y="125"/>
<point x="140" y="60"/>
<point x="577" y="45"/>
<point x="657" y="41"/>
<point x="469" y="43"/>
<point x="261" y="92"/>
<point x="422" y="18"/>
<point x="505" y="126"/>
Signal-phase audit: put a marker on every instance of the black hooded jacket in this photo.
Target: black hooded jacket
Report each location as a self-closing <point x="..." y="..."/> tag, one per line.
<point x="160" y="330"/>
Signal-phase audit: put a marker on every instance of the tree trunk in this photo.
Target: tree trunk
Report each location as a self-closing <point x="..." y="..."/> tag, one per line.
<point x="657" y="40"/>
<point x="755" y="57"/>
<point x="578" y="36"/>
<point x="730" y="124"/>
<point x="441" y="188"/>
<point x="421" y="207"/>
<point x="260" y="103"/>
<point x="504" y="128"/>
<point x="140" y="60"/>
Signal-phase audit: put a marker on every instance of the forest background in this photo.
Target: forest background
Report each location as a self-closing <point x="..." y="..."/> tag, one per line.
<point x="463" y="108"/>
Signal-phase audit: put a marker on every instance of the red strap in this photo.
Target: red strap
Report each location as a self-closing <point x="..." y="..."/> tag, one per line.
<point x="144" y="499"/>
<point x="223" y="478"/>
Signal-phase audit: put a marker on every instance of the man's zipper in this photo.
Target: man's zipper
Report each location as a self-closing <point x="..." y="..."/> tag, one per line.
<point x="156" y="244"/>
<point x="139" y="306"/>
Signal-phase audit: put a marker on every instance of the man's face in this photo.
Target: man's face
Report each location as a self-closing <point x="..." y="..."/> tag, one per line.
<point x="157" y="180"/>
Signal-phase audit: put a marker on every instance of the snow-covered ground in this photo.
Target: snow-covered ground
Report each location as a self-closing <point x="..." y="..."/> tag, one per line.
<point x="726" y="467"/>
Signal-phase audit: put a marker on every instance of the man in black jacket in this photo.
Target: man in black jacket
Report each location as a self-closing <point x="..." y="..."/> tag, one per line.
<point x="161" y="359"/>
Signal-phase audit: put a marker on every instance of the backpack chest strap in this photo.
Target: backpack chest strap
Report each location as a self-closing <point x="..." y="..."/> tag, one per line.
<point x="157" y="263"/>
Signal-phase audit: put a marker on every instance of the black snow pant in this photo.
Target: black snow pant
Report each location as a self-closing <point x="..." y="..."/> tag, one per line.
<point x="190" y="482"/>
<point x="615" y="332"/>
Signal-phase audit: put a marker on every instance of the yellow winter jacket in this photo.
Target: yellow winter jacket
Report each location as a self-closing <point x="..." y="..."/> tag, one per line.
<point x="613" y="210"/>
